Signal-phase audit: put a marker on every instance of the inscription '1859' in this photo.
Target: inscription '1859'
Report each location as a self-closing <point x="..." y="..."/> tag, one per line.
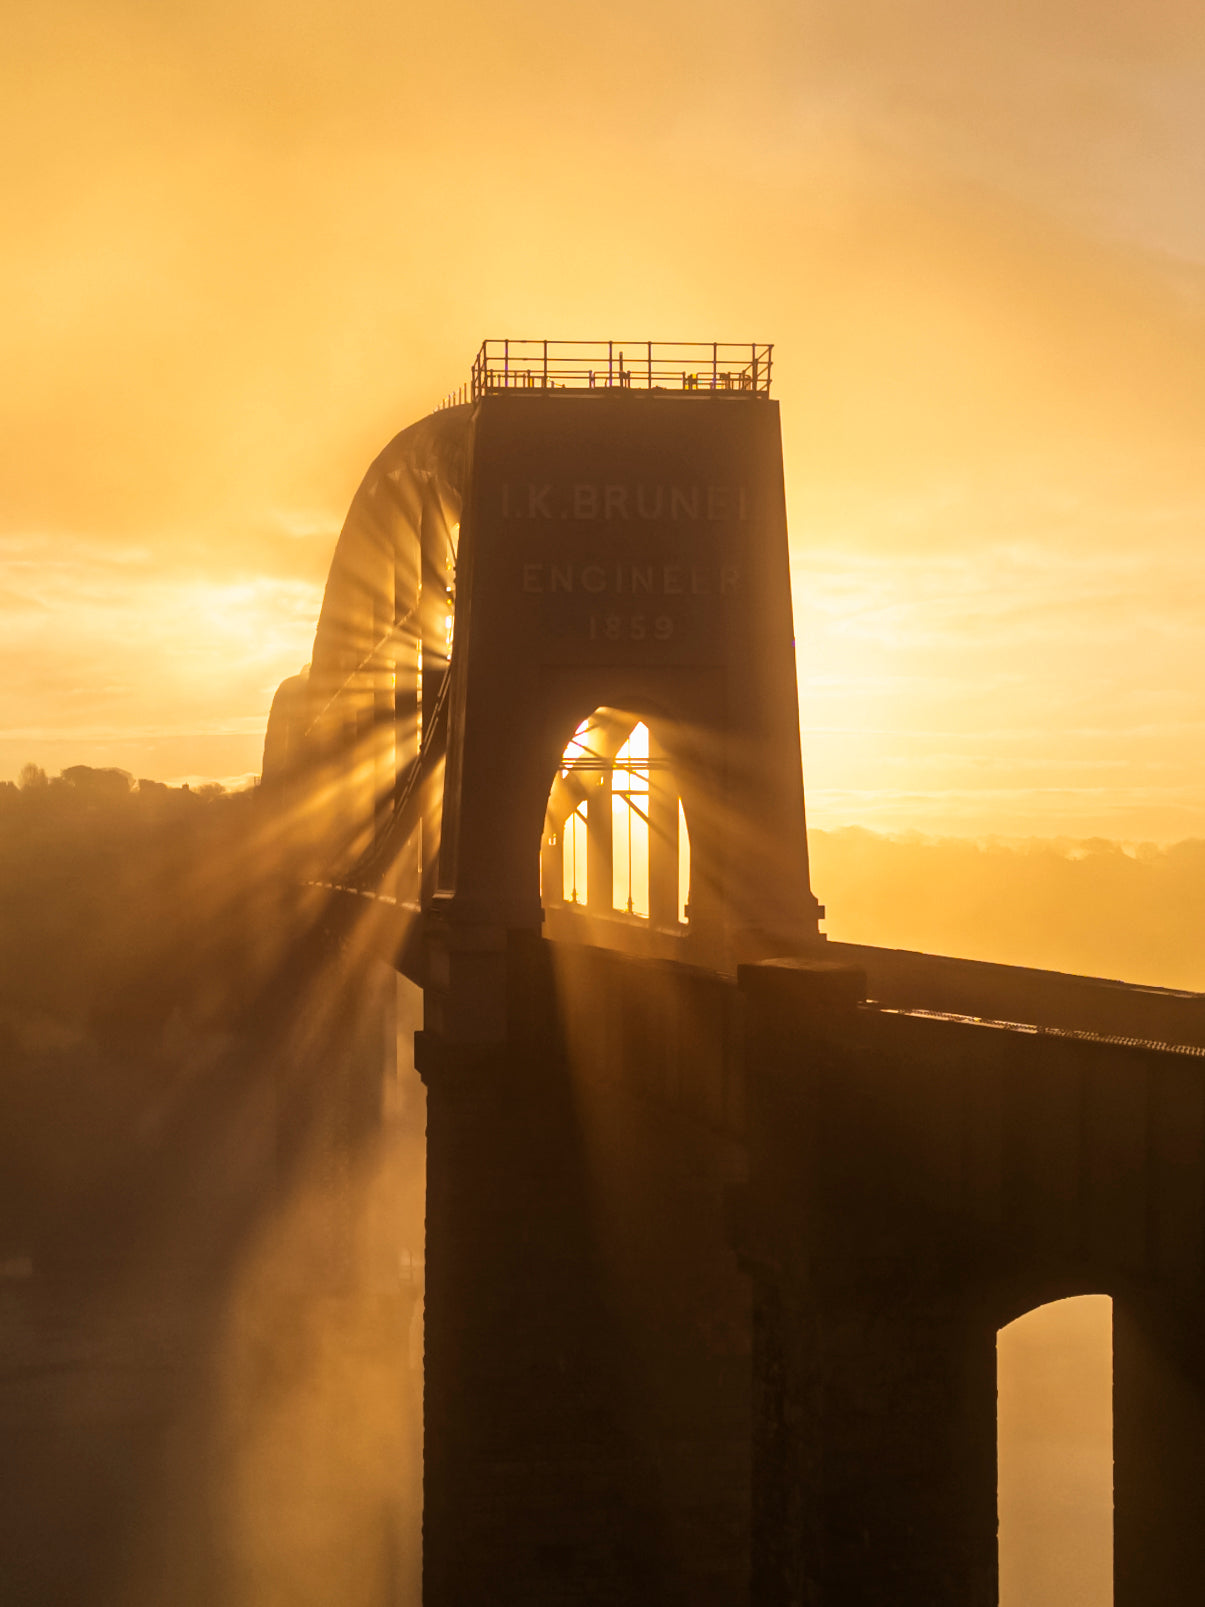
<point x="648" y="502"/>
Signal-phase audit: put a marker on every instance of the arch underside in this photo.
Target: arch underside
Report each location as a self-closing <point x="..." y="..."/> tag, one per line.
<point x="355" y="743"/>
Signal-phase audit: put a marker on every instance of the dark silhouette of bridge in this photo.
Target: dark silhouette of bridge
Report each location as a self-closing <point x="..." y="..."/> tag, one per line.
<point x="723" y="1218"/>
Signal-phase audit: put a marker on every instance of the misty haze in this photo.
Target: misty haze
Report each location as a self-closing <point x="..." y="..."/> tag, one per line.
<point x="463" y="1136"/>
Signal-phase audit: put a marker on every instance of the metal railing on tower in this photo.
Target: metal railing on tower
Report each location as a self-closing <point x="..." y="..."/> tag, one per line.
<point x="730" y="368"/>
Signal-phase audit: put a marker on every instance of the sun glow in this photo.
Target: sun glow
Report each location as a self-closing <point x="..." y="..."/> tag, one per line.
<point x="575" y="838"/>
<point x="630" y="824"/>
<point x="613" y="768"/>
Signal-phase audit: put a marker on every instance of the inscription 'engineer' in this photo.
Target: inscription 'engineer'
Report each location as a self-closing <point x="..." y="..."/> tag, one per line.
<point x="658" y="580"/>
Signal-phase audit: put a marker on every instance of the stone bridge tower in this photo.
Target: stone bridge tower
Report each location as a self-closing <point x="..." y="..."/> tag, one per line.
<point x="620" y="549"/>
<point x="593" y="541"/>
<point x="626" y="1088"/>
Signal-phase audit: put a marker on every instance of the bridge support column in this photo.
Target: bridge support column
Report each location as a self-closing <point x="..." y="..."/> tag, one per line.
<point x="874" y="1450"/>
<point x="1159" y="1452"/>
<point x="586" y="1362"/>
<point x="874" y="1460"/>
<point x="530" y="1495"/>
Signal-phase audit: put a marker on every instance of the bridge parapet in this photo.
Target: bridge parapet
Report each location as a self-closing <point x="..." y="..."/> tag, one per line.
<point x="908" y="980"/>
<point x="1014" y="1156"/>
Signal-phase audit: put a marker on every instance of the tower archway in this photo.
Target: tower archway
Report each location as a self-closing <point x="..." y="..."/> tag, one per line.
<point x="615" y="857"/>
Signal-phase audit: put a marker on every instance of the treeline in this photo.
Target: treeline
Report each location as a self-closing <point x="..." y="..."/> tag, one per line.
<point x="122" y="902"/>
<point x="133" y="923"/>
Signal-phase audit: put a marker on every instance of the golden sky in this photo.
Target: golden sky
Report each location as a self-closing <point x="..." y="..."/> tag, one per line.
<point x="246" y="243"/>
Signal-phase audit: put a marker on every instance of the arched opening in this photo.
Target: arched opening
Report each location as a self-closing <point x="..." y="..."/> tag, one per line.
<point x="1055" y="1455"/>
<point x="616" y="845"/>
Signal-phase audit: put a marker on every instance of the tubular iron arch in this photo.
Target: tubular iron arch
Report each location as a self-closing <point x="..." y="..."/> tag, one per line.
<point x="354" y="744"/>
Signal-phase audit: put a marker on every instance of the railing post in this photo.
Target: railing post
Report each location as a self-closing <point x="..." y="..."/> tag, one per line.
<point x="545" y="365"/>
<point x="714" y="364"/>
<point x="650" y="365"/>
<point x="505" y="364"/>
<point x="610" y="355"/>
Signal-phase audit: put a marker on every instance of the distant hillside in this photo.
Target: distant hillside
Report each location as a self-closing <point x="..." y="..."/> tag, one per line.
<point x="1096" y="907"/>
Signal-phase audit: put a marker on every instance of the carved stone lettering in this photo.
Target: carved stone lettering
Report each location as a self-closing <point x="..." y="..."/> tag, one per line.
<point x="681" y="505"/>
<point x="585" y="502"/>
